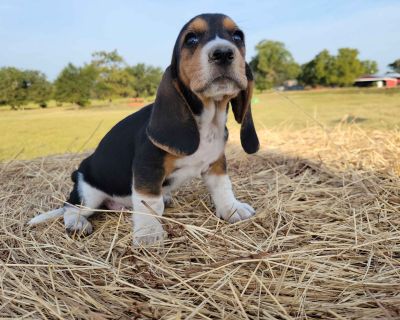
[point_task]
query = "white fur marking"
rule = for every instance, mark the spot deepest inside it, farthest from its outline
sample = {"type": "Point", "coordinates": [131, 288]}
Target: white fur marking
{"type": "Point", "coordinates": [75, 220]}
{"type": "Point", "coordinates": [226, 205]}
{"type": "Point", "coordinates": [211, 124]}
{"type": "Point", "coordinates": [90, 196]}
{"type": "Point", "coordinates": [146, 227]}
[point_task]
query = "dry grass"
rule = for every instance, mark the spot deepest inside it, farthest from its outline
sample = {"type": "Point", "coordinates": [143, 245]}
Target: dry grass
{"type": "Point", "coordinates": [325, 242]}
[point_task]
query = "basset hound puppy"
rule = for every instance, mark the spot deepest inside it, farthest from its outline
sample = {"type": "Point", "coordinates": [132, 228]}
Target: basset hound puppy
{"type": "Point", "coordinates": [182, 135]}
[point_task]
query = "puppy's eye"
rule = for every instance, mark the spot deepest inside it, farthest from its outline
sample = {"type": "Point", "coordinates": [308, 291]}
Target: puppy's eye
{"type": "Point", "coordinates": [191, 39]}
{"type": "Point", "coordinates": [238, 36]}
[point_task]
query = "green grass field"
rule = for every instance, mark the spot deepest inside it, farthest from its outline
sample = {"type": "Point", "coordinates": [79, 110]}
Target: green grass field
{"type": "Point", "coordinates": [34, 132]}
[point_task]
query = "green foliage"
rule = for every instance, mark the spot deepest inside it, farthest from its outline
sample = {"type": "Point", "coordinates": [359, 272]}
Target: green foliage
{"type": "Point", "coordinates": [273, 64]}
{"type": "Point", "coordinates": [107, 60]}
{"type": "Point", "coordinates": [395, 66]}
{"type": "Point", "coordinates": [19, 87]}
{"type": "Point", "coordinates": [12, 91]}
{"type": "Point", "coordinates": [40, 90]}
{"type": "Point", "coordinates": [340, 70]}
{"type": "Point", "coordinates": [370, 66]}
{"type": "Point", "coordinates": [147, 79]}
{"type": "Point", "coordinates": [107, 76]}
{"type": "Point", "coordinates": [348, 67]}
{"type": "Point", "coordinates": [319, 71]}
{"type": "Point", "coordinates": [75, 84]}
{"type": "Point", "coordinates": [112, 78]}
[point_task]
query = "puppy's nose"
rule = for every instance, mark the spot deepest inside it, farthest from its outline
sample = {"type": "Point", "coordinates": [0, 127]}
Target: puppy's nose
{"type": "Point", "coordinates": [222, 55]}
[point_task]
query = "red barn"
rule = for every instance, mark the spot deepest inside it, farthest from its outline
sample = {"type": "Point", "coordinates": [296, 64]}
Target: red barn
{"type": "Point", "coordinates": [376, 81]}
{"type": "Point", "coordinates": [394, 75]}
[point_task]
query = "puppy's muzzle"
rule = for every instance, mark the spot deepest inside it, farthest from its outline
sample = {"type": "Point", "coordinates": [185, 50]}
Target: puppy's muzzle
{"type": "Point", "coordinates": [221, 55]}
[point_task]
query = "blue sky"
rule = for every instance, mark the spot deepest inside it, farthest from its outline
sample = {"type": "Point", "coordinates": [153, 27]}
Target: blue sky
{"type": "Point", "coordinates": [47, 34]}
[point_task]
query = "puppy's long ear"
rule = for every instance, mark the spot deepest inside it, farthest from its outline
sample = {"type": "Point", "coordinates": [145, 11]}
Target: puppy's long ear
{"type": "Point", "coordinates": [172, 126]}
{"type": "Point", "coordinates": [241, 107]}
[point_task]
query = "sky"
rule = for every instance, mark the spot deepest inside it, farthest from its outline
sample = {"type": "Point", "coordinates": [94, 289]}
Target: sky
{"type": "Point", "coordinates": [47, 34]}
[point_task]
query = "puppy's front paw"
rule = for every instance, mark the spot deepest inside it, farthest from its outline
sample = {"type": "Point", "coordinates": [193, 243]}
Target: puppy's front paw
{"type": "Point", "coordinates": [167, 201]}
{"type": "Point", "coordinates": [235, 211]}
{"type": "Point", "coordinates": [77, 224]}
{"type": "Point", "coordinates": [147, 231]}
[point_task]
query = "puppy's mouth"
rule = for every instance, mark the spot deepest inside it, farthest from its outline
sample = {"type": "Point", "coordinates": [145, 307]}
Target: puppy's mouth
{"type": "Point", "coordinates": [224, 81]}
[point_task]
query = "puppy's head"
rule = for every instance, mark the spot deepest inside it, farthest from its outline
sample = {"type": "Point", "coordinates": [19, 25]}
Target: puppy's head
{"type": "Point", "coordinates": [209, 57]}
{"type": "Point", "coordinates": [208, 62]}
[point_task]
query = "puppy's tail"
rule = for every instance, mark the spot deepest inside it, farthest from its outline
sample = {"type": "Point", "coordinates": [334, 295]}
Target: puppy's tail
{"type": "Point", "coordinates": [47, 216]}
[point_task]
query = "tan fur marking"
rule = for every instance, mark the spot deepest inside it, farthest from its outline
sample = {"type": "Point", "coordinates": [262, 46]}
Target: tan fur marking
{"type": "Point", "coordinates": [224, 102]}
{"type": "Point", "coordinates": [190, 63]}
{"type": "Point", "coordinates": [145, 192]}
{"type": "Point", "coordinates": [165, 148]}
{"type": "Point", "coordinates": [190, 66]}
{"type": "Point", "coordinates": [218, 167]}
{"type": "Point", "coordinates": [169, 164]}
{"type": "Point", "coordinates": [206, 101]}
{"type": "Point", "coordinates": [198, 25]}
{"type": "Point", "coordinates": [229, 24]}
{"type": "Point", "coordinates": [249, 95]}
{"type": "Point", "coordinates": [169, 167]}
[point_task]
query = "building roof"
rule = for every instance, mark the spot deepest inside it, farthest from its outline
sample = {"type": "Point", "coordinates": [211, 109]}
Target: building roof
{"type": "Point", "coordinates": [374, 78]}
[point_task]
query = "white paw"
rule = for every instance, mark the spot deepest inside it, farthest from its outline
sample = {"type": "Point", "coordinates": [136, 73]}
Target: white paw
{"type": "Point", "coordinates": [167, 198]}
{"type": "Point", "coordinates": [147, 230]}
{"type": "Point", "coordinates": [236, 211]}
{"type": "Point", "coordinates": [76, 223]}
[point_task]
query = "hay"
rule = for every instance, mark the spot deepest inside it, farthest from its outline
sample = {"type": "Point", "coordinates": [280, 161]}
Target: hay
{"type": "Point", "coordinates": [325, 242]}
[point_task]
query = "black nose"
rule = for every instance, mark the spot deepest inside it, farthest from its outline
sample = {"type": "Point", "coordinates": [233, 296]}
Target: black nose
{"type": "Point", "coordinates": [222, 56]}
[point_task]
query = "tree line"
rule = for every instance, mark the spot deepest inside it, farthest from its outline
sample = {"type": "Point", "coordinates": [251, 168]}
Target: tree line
{"type": "Point", "coordinates": [273, 64]}
{"type": "Point", "coordinates": [107, 76]}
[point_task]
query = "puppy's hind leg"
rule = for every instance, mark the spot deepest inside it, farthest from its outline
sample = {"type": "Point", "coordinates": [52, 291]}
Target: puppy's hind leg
{"type": "Point", "coordinates": [75, 219]}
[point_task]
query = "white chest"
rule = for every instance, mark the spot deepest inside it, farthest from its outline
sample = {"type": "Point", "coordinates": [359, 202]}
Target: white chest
{"type": "Point", "coordinates": [211, 126]}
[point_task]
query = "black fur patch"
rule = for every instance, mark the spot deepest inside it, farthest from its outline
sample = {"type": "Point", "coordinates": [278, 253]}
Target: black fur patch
{"type": "Point", "coordinates": [241, 107]}
{"type": "Point", "coordinates": [195, 104]}
{"type": "Point", "coordinates": [248, 134]}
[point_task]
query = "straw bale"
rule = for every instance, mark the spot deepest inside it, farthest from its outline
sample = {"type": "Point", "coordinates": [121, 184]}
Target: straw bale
{"type": "Point", "coordinates": [325, 242]}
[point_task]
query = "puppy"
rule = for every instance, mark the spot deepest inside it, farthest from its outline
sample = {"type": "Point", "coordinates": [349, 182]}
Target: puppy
{"type": "Point", "coordinates": [180, 136]}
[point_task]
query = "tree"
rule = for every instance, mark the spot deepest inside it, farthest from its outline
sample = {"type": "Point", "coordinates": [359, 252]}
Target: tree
{"type": "Point", "coordinates": [273, 64]}
{"type": "Point", "coordinates": [319, 71]}
{"type": "Point", "coordinates": [75, 84]}
{"type": "Point", "coordinates": [109, 60]}
{"type": "Point", "coordinates": [348, 67]}
{"type": "Point", "coordinates": [395, 66]}
{"type": "Point", "coordinates": [370, 66]}
{"type": "Point", "coordinates": [12, 89]}
{"type": "Point", "coordinates": [340, 70]}
{"type": "Point", "coordinates": [147, 79]}
{"type": "Point", "coordinates": [112, 79]}
{"type": "Point", "coordinates": [18, 87]}
{"type": "Point", "coordinates": [39, 89]}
